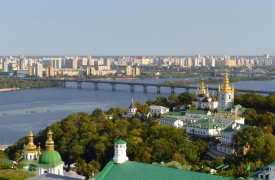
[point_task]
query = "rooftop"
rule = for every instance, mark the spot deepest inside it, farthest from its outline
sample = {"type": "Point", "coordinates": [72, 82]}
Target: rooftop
{"type": "Point", "coordinates": [168, 119]}
{"type": "Point", "coordinates": [138, 171]}
{"type": "Point", "coordinates": [205, 124]}
{"type": "Point", "coordinates": [157, 107]}
{"type": "Point", "coordinates": [236, 127]}
{"type": "Point", "coordinates": [120, 142]}
{"type": "Point", "coordinates": [175, 113]}
{"type": "Point", "coordinates": [228, 115]}
{"type": "Point", "coordinates": [196, 112]}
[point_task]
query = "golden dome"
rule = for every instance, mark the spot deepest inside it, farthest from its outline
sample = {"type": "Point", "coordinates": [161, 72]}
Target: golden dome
{"type": "Point", "coordinates": [49, 142]}
{"type": "Point", "coordinates": [30, 147]}
{"type": "Point", "coordinates": [226, 87]}
{"type": "Point", "coordinates": [38, 150]}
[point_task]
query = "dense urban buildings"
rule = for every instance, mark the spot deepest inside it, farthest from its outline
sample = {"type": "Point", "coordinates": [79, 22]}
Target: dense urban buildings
{"type": "Point", "coordinates": [87, 65]}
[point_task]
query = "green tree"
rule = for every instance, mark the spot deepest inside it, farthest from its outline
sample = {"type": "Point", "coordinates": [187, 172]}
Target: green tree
{"type": "Point", "coordinates": [150, 101]}
{"type": "Point", "coordinates": [193, 106]}
{"type": "Point", "coordinates": [186, 98]}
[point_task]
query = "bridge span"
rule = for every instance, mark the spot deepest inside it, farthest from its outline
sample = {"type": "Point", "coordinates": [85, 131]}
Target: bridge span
{"type": "Point", "coordinates": [145, 85]}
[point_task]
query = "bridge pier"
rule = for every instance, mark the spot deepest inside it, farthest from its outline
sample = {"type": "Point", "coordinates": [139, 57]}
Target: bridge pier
{"type": "Point", "coordinates": [172, 90]}
{"type": "Point", "coordinates": [132, 88]}
{"type": "Point", "coordinates": [113, 87]}
{"type": "Point", "coordinates": [145, 88]}
{"type": "Point", "coordinates": [96, 86]}
{"type": "Point", "coordinates": [63, 84]}
{"type": "Point", "coordinates": [187, 90]}
{"type": "Point", "coordinates": [79, 85]}
{"type": "Point", "coordinates": [158, 89]}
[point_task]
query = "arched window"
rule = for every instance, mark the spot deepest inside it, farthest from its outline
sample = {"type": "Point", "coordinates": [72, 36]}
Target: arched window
{"type": "Point", "coordinates": [45, 171]}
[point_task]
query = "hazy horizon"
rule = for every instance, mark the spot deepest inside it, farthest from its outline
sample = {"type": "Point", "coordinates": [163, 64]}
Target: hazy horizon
{"type": "Point", "coordinates": [137, 28]}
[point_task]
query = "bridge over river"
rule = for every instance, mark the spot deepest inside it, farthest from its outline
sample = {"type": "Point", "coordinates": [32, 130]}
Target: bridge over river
{"type": "Point", "coordinates": [145, 85]}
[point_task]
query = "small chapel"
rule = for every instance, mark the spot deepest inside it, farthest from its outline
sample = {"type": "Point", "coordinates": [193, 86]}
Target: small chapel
{"type": "Point", "coordinates": [202, 99]}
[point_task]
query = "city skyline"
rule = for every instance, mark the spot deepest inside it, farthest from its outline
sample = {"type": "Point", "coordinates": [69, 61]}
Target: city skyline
{"type": "Point", "coordinates": [137, 28]}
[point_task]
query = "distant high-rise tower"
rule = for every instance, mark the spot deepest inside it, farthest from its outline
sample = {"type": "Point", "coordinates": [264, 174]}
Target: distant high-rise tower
{"type": "Point", "coordinates": [38, 70]}
{"type": "Point", "coordinates": [74, 63]}
{"type": "Point", "coordinates": [129, 71]}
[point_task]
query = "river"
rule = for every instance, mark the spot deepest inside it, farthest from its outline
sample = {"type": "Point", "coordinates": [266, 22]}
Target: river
{"type": "Point", "coordinates": [40, 107]}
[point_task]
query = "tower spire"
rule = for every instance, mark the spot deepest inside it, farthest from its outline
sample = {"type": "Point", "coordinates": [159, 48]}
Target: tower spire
{"type": "Point", "coordinates": [30, 147]}
{"type": "Point", "coordinates": [226, 87]}
{"type": "Point", "coordinates": [49, 142]}
{"type": "Point", "coordinates": [38, 150]}
{"type": "Point", "coordinates": [202, 84]}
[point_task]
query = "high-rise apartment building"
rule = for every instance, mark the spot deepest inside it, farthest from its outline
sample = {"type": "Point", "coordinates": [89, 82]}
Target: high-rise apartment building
{"type": "Point", "coordinates": [128, 71]}
{"type": "Point", "coordinates": [90, 71]}
{"type": "Point", "coordinates": [5, 65]}
{"type": "Point", "coordinates": [23, 64]}
{"type": "Point", "coordinates": [50, 72]}
{"type": "Point", "coordinates": [56, 63]}
{"type": "Point", "coordinates": [107, 62]}
{"type": "Point", "coordinates": [38, 70]}
{"type": "Point", "coordinates": [189, 62]}
{"type": "Point", "coordinates": [136, 71]}
{"type": "Point", "coordinates": [74, 63]}
{"type": "Point", "coordinates": [31, 70]}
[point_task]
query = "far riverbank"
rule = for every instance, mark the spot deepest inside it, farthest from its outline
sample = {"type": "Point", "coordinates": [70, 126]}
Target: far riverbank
{"type": "Point", "coordinates": [9, 89]}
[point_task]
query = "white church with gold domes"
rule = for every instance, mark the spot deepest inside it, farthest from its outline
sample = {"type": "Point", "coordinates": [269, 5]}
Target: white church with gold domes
{"type": "Point", "coordinates": [202, 99]}
{"type": "Point", "coordinates": [30, 154]}
{"type": "Point", "coordinates": [50, 160]}
{"type": "Point", "coordinates": [47, 164]}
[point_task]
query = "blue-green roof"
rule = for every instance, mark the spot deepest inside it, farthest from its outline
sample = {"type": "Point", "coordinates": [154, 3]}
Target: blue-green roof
{"type": "Point", "coordinates": [7, 161]}
{"type": "Point", "coordinates": [141, 171]}
{"type": "Point", "coordinates": [170, 119]}
{"type": "Point", "coordinates": [120, 142]}
{"type": "Point", "coordinates": [173, 163]}
{"type": "Point", "coordinates": [196, 112]}
{"type": "Point", "coordinates": [238, 127]}
{"type": "Point", "coordinates": [205, 123]}
{"type": "Point", "coordinates": [175, 114]}
{"type": "Point", "coordinates": [27, 162]}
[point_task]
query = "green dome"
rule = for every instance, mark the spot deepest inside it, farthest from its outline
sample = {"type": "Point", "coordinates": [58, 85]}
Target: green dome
{"type": "Point", "coordinates": [120, 142]}
{"type": "Point", "coordinates": [50, 158]}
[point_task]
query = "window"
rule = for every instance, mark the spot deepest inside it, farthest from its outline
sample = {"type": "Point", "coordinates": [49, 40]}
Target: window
{"type": "Point", "coordinates": [229, 97]}
{"type": "Point", "coordinates": [222, 96]}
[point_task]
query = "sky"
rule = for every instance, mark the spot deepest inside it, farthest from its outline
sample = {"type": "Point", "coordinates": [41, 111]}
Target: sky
{"type": "Point", "coordinates": [137, 27]}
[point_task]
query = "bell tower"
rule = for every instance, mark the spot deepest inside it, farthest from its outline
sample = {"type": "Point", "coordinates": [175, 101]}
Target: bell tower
{"type": "Point", "coordinates": [120, 155]}
{"type": "Point", "coordinates": [226, 94]}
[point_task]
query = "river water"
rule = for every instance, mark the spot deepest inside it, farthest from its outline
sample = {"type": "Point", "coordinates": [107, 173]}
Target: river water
{"type": "Point", "coordinates": [40, 107]}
